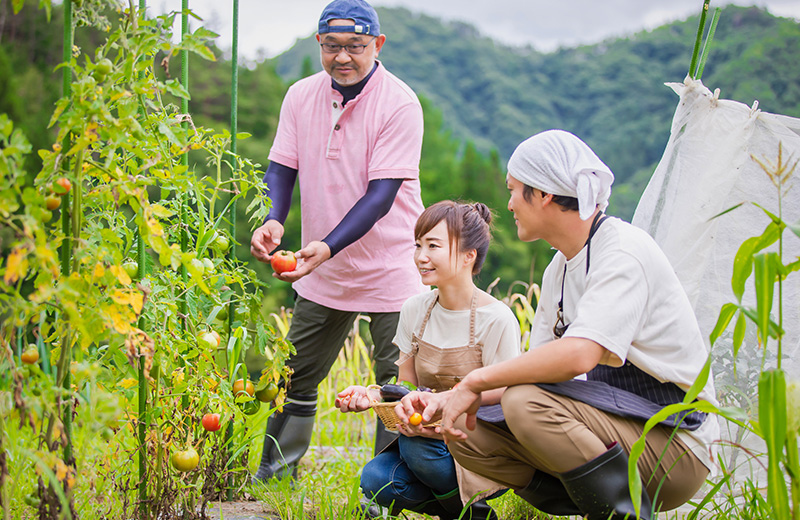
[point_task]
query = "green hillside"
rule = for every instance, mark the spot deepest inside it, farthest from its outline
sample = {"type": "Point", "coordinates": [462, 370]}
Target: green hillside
{"type": "Point", "coordinates": [612, 94]}
{"type": "Point", "coordinates": [480, 100]}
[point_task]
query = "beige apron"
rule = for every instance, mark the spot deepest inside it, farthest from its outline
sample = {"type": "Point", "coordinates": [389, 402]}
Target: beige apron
{"type": "Point", "coordinates": [440, 369]}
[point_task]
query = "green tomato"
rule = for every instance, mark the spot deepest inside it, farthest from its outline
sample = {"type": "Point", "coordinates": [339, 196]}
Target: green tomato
{"type": "Point", "coordinates": [185, 461]}
{"type": "Point", "coordinates": [208, 266]}
{"type": "Point", "coordinates": [104, 67]}
{"type": "Point", "coordinates": [250, 407]}
{"type": "Point", "coordinates": [221, 243]}
{"type": "Point", "coordinates": [222, 315]}
{"type": "Point", "coordinates": [132, 268]}
{"type": "Point", "coordinates": [268, 393]}
{"type": "Point", "coordinates": [197, 265]}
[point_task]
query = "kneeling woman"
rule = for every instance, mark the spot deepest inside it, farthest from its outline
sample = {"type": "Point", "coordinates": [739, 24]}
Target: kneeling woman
{"type": "Point", "coordinates": [442, 336]}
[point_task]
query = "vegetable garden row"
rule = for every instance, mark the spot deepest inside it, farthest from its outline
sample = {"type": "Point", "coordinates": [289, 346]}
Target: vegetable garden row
{"type": "Point", "coordinates": [124, 312]}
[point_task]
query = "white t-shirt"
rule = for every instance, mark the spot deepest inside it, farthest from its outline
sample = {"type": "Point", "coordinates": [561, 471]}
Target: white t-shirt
{"type": "Point", "coordinates": [632, 303]}
{"type": "Point", "coordinates": [496, 327]}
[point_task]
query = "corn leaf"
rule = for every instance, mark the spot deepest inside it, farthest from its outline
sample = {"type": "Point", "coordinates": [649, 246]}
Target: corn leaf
{"type": "Point", "coordinates": [725, 316]}
{"type": "Point", "coordinates": [765, 275]}
{"type": "Point", "coordinates": [772, 420]}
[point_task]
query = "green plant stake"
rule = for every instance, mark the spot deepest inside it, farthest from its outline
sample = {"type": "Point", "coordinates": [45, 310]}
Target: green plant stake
{"type": "Point", "coordinates": [232, 213]}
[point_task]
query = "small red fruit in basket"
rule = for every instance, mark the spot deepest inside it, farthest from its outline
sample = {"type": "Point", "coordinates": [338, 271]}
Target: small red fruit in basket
{"type": "Point", "coordinates": [283, 261]}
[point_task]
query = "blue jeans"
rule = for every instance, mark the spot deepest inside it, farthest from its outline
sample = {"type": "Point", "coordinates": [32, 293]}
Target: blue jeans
{"type": "Point", "coordinates": [408, 475]}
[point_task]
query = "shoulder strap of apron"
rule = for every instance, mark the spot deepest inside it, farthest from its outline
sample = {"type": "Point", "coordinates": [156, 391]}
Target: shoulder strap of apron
{"type": "Point", "coordinates": [472, 312]}
{"type": "Point", "coordinates": [426, 318]}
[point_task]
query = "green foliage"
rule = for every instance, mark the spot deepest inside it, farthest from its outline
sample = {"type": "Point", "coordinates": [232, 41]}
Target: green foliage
{"type": "Point", "coordinates": [100, 331]}
{"type": "Point", "coordinates": [611, 94]}
{"type": "Point", "coordinates": [776, 421]}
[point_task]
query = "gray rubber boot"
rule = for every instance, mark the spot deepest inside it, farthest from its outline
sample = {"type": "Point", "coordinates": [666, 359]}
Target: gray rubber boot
{"type": "Point", "coordinates": [286, 441]}
{"type": "Point", "coordinates": [600, 488]}
{"type": "Point", "coordinates": [547, 494]}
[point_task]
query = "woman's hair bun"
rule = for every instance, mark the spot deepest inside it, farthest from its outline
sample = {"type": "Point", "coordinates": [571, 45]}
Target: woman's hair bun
{"type": "Point", "coordinates": [484, 211]}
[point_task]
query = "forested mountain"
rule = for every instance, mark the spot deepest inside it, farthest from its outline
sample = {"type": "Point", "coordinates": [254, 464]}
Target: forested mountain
{"type": "Point", "coordinates": [611, 94]}
{"type": "Point", "coordinates": [480, 100]}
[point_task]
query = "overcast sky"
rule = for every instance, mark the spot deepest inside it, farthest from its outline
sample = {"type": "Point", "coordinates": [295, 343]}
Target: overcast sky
{"type": "Point", "coordinates": [269, 27]}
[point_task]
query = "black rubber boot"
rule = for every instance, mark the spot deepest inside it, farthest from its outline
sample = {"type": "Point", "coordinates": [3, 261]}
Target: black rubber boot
{"type": "Point", "coordinates": [287, 439]}
{"type": "Point", "coordinates": [600, 488]}
{"type": "Point", "coordinates": [383, 438]}
{"type": "Point", "coordinates": [547, 494]}
{"type": "Point", "coordinates": [449, 507]}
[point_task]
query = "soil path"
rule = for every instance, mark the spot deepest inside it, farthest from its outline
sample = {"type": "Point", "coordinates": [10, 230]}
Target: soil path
{"type": "Point", "coordinates": [239, 511]}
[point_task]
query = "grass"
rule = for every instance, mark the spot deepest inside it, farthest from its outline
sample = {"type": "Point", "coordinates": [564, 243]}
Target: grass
{"type": "Point", "coordinates": [327, 486]}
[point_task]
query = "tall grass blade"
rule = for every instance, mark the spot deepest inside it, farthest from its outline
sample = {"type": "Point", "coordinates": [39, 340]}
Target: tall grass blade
{"type": "Point", "coordinates": [707, 45]}
{"type": "Point", "coordinates": [699, 39]}
{"type": "Point", "coordinates": [772, 422]}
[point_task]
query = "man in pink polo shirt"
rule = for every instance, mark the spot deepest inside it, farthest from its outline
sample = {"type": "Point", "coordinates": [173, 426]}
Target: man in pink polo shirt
{"type": "Point", "coordinates": [352, 135]}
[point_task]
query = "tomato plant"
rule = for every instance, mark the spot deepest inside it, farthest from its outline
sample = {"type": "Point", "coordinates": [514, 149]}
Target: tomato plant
{"type": "Point", "coordinates": [283, 261]}
{"type": "Point", "coordinates": [211, 422]}
{"type": "Point", "coordinates": [111, 337]}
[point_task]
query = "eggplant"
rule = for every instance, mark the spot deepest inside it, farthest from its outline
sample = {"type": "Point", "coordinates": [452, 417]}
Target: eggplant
{"type": "Point", "coordinates": [391, 392]}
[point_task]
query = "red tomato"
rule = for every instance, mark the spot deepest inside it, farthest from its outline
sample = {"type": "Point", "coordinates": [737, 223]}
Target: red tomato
{"type": "Point", "coordinates": [211, 422]}
{"type": "Point", "coordinates": [283, 261]}
{"type": "Point", "coordinates": [61, 186]}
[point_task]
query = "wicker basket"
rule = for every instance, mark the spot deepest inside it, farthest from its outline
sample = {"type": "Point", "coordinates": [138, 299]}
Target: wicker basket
{"type": "Point", "coordinates": [386, 412]}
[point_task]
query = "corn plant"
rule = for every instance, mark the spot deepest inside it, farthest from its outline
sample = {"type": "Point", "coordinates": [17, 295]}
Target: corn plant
{"type": "Point", "coordinates": [776, 422]}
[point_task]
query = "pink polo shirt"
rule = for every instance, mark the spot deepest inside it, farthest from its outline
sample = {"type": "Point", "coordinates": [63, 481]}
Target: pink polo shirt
{"type": "Point", "coordinates": [337, 151]}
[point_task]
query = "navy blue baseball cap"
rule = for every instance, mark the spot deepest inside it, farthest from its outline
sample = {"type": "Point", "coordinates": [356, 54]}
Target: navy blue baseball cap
{"type": "Point", "coordinates": [363, 15]}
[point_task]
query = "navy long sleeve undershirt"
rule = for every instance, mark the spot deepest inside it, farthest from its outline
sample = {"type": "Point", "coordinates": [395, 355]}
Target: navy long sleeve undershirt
{"type": "Point", "coordinates": [370, 208]}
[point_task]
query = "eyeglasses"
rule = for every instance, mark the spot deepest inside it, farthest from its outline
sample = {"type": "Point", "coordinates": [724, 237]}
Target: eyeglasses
{"type": "Point", "coordinates": [352, 49]}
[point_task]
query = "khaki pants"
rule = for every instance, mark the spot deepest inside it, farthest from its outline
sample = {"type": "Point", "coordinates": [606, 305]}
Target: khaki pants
{"type": "Point", "coordinates": [552, 433]}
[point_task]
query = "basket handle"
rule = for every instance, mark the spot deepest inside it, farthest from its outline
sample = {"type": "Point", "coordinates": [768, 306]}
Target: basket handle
{"type": "Point", "coordinates": [369, 394]}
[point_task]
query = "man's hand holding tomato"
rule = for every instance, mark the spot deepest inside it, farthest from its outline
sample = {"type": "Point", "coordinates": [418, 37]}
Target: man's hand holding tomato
{"type": "Point", "coordinates": [308, 259]}
{"type": "Point", "coordinates": [266, 238]}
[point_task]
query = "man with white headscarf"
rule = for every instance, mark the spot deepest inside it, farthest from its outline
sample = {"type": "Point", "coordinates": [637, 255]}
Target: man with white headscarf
{"type": "Point", "coordinates": [615, 340]}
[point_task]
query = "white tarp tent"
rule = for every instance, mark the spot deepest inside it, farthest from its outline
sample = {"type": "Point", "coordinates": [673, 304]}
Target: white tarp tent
{"type": "Point", "coordinates": [708, 167]}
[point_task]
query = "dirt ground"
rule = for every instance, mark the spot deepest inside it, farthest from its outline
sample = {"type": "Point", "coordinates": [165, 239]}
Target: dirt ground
{"type": "Point", "coordinates": [239, 511]}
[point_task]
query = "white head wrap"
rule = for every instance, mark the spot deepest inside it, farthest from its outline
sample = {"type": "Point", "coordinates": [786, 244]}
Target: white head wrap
{"type": "Point", "coordinates": [559, 163]}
